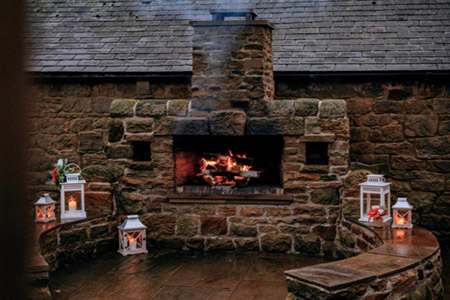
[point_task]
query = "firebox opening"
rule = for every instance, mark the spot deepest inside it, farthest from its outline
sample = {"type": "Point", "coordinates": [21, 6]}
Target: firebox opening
{"type": "Point", "coordinates": [228, 161]}
{"type": "Point", "coordinates": [141, 151]}
{"type": "Point", "coordinates": [316, 153]}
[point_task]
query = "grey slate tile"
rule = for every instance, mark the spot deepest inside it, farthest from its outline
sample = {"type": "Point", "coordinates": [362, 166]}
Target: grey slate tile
{"type": "Point", "coordinates": [154, 35]}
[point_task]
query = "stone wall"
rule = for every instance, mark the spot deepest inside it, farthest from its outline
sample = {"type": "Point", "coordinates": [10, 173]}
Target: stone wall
{"type": "Point", "coordinates": [399, 128]}
{"type": "Point", "coordinates": [308, 225]}
{"type": "Point", "coordinates": [71, 120]}
{"type": "Point", "coordinates": [71, 242]}
{"type": "Point", "coordinates": [232, 62]}
{"type": "Point", "coordinates": [422, 282]}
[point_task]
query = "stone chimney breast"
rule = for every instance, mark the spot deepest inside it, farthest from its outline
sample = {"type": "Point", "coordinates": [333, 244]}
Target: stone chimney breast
{"type": "Point", "coordinates": [232, 61]}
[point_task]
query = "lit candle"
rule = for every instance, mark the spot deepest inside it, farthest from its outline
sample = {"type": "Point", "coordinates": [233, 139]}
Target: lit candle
{"type": "Point", "coordinates": [72, 204]}
{"type": "Point", "coordinates": [132, 242]}
{"type": "Point", "coordinates": [401, 221]}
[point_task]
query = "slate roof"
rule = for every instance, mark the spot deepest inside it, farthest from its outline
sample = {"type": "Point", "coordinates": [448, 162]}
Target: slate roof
{"type": "Point", "coordinates": [310, 35]}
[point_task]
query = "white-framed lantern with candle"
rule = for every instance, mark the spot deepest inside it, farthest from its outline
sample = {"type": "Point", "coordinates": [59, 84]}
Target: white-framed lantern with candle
{"type": "Point", "coordinates": [402, 212]}
{"type": "Point", "coordinates": [45, 209]}
{"type": "Point", "coordinates": [73, 187]}
{"type": "Point", "coordinates": [132, 236]}
{"type": "Point", "coordinates": [375, 192]}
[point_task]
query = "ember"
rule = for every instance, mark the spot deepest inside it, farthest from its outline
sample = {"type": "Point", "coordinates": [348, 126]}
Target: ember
{"type": "Point", "coordinates": [232, 170]}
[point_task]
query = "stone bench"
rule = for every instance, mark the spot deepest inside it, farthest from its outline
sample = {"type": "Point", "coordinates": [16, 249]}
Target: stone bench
{"type": "Point", "coordinates": [406, 266]}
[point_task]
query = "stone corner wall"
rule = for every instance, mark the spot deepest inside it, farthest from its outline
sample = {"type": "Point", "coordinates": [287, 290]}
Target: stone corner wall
{"type": "Point", "coordinates": [399, 127]}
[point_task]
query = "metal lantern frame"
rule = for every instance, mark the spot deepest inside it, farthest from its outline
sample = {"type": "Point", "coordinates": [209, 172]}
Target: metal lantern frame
{"type": "Point", "coordinates": [402, 210]}
{"type": "Point", "coordinates": [132, 236]}
{"type": "Point", "coordinates": [45, 209]}
{"type": "Point", "coordinates": [73, 184]}
{"type": "Point", "coordinates": [375, 185]}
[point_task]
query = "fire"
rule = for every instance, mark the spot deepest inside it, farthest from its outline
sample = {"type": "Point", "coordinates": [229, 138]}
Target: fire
{"type": "Point", "coordinates": [224, 169]}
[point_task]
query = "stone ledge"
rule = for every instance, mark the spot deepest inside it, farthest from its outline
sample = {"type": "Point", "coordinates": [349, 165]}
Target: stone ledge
{"type": "Point", "coordinates": [403, 253]}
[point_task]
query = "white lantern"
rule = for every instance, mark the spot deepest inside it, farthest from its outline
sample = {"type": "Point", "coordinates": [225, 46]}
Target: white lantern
{"type": "Point", "coordinates": [402, 214]}
{"type": "Point", "coordinates": [132, 236]}
{"type": "Point", "coordinates": [45, 209]}
{"type": "Point", "coordinates": [75, 205]}
{"type": "Point", "coordinates": [375, 192]}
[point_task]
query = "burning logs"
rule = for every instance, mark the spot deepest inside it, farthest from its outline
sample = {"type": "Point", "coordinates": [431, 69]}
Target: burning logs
{"type": "Point", "coordinates": [219, 169]}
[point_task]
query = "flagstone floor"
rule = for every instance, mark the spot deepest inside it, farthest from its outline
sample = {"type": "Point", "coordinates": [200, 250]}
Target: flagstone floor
{"type": "Point", "coordinates": [170, 276]}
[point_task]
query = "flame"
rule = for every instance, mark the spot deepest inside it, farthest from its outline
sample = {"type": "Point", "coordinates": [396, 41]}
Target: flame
{"type": "Point", "coordinates": [401, 221]}
{"type": "Point", "coordinates": [227, 163]}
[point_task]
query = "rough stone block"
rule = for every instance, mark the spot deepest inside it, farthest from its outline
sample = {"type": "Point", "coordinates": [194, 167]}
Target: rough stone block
{"type": "Point", "coordinates": [98, 202]}
{"type": "Point", "coordinates": [444, 128]}
{"type": "Point", "coordinates": [122, 108]}
{"type": "Point", "coordinates": [247, 244]}
{"type": "Point", "coordinates": [187, 225]}
{"type": "Point", "coordinates": [273, 242]}
{"type": "Point", "coordinates": [388, 107]}
{"type": "Point", "coordinates": [359, 106]}
{"type": "Point", "coordinates": [227, 122]}
{"type": "Point", "coordinates": [138, 126]}
{"type": "Point", "coordinates": [118, 151]}
{"type": "Point", "coordinates": [326, 196]}
{"type": "Point", "coordinates": [426, 181]}
{"type": "Point", "coordinates": [332, 109]}
{"type": "Point", "coordinates": [182, 126]}
{"type": "Point", "coordinates": [72, 237]}
{"type": "Point", "coordinates": [441, 106]}
{"type": "Point", "coordinates": [434, 146]}
{"type": "Point", "coordinates": [421, 125]}
{"type": "Point", "coordinates": [275, 126]}
{"type": "Point", "coordinates": [90, 141]}
{"type": "Point", "coordinates": [326, 232]}
{"type": "Point", "coordinates": [115, 130]}
{"type": "Point", "coordinates": [307, 244]}
{"type": "Point", "coordinates": [242, 230]}
{"type": "Point", "coordinates": [312, 126]}
{"type": "Point", "coordinates": [405, 162]}
{"type": "Point", "coordinates": [219, 244]}
{"type": "Point", "coordinates": [151, 108]}
{"type": "Point", "coordinates": [306, 107]}
{"type": "Point", "coordinates": [131, 203]}
{"type": "Point", "coordinates": [280, 108]}
{"type": "Point", "coordinates": [213, 225]}
{"type": "Point", "coordinates": [159, 223]}
{"type": "Point", "coordinates": [399, 93]}
{"type": "Point", "coordinates": [177, 107]}
{"type": "Point", "coordinates": [252, 211]}
{"type": "Point", "coordinates": [195, 243]}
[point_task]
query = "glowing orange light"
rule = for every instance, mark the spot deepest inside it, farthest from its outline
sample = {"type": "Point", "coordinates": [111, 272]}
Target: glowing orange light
{"type": "Point", "coordinates": [399, 234]}
{"type": "Point", "coordinates": [401, 221]}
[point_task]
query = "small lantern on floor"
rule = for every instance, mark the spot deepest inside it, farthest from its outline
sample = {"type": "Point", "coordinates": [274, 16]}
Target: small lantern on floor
{"type": "Point", "coordinates": [45, 209]}
{"type": "Point", "coordinates": [375, 185]}
{"type": "Point", "coordinates": [132, 236]}
{"type": "Point", "coordinates": [402, 214]}
{"type": "Point", "coordinates": [75, 207]}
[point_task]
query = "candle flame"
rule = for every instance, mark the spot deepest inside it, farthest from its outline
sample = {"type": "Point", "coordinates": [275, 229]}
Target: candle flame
{"type": "Point", "coordinates": [401, 221]}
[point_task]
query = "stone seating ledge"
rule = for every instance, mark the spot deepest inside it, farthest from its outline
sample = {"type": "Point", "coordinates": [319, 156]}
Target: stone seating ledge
{"type": "Point", "coordinates": [407, 264]}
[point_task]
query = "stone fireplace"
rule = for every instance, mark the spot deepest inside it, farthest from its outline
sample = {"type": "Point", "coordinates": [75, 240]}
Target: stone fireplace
{"type": "Point", "coordinates": [232, 168]}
